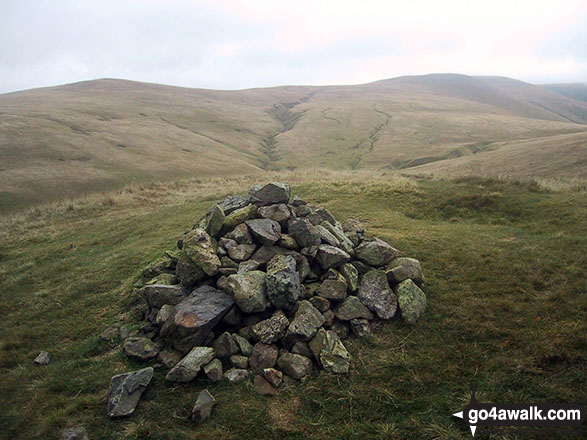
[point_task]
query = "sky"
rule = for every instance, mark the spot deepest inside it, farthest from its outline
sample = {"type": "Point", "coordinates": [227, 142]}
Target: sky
{"type": "Point", "coordinates": [224, 44]}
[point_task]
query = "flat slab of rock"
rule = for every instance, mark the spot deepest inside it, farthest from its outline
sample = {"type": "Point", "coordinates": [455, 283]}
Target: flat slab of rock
{"type": "Point", "coordinates": [374, 292]}
{"type": "Point", "coordinates": [157, 295]}
{"type": "Point", "coordinates": [262, 387]}
{"type": "Point", "coordinates": [195, 316]}
{"type": "Point", "coordinates": [126, 391]}
{"type": "Point", "coordinates": [270, 194]}
{"type": "Point", "coordinates": [203, 406]}
{"type": "Point", "coordinates": [43, 358]}
{"type": "Point", "coordinates": [352, 308]}
{"type": "Point", "coordinates": [265, 230]}
{"type": "Point", "coordinates": [295, 365]}
{"type": "Point", "coordinates": [412, 301]}
{"type": "Point", "coordinates": [304, 233]}
{"type": "Point", "coordinates": [280, 213]}
{"type": "Point", "coordinates": [376, 252]}
{"type": "Point", "coordinates": [334, 357]}
{"type": "Point", "coordinates": [187, 368]}
{"type": "Point", "coordinates": [140, 348]}
{"type": "Point", "coordinates": [330, 256]}
{"type": "Point", "coordinates": [305, 323]}
{"type": "Point", "coordinates": [283, 282]}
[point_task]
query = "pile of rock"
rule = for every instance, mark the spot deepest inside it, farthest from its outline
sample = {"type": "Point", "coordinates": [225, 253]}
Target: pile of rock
{"type": "Point", "coordinates": [270, 286]}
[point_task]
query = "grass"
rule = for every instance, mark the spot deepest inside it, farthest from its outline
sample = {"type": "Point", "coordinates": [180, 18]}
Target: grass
{"type": "Point", "coordinates": [504, 261]}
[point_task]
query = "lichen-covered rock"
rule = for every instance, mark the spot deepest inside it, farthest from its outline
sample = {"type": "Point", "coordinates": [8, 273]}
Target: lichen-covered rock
{"type": "Point", "coordinates": [241, 234]}
{"type": "Point", "coordinates": [351, 275]}
{"type": "Point", "coordinates": [263, 356]}
{"type": "Point", "coordinates": [195, 316]}
{"type": "Point", "coordinates": [412, 301]}
{"type": "Point", "coordinates": [157, 295]}
{"type": "Point", "coordinates": [270, 194]}
{"type": "Point", "coordinates": [159, 266]}
{"type": "Point", "coordinates": [239, 361]}
{"type": "Point", "coordinates": [126, 390]}
{"type": "Point", "coordinates": [198, 246]}
{"type": "Point", "coordinates": [345, 244]}
{"type": "Point", "coordinates": [241, 252]}
{"type": "Point", "coordinates": [270, 330]}
{"type": "Point", "coordinates": [280, 213]}
{"type": "Point", "coordinates": [327, 236]}
{"type": "Point", "coordinates": [322, 304]}
{"type": "Point", "coordinates": [316, 344]}
{"type": "Point", "coordinates": [232, 203]}
{"type": "Point", "coordinates": [360, 327]}
{"type": "Point", "coordinates": [238, 216]}
{"type": "Point", "coordinates": [304, 232]}
{"type": "Point", "coordinates": [334, 286]}
{"type": "Point", "coordinates": [215, 221]}
{"type": "Point", "coordinates": [264, 230]}
{"type": "Point", "coordinates": [244, 346]}
{"type": "Point", "coordinates": [352, 308]}
{"type": "Point", "coordinates": [213, 370]}
{"type": "Point", "coordinates": [305, 323]}
{"type": "Point", "coordinates": [401, 269]}
{"type": "Point", "coordinates": [334, 357]}
{"type": "Point", "coordinates": [330, 256]}
{"type": "Point", "coordinates": [283, 282]}
{"type": "Point", "coordinates": [164, 314]}
{"type": "Point", "coordinates": [140, 348]}
{"type": "Point", "coordinates": [187, 272]}
{"type": "Point", "coordinates": [302, 348]}
{"type": "Point", "coordinates": [169, 357]}
{"type": "Point", "coordinates": [294, 365]}
{"type": "Point", "coordinates": [187, 368]}
{"type": "Point", "coordinates": [249, 290]}
{"type": "Point", "coordinates": [375, 293]}
{"type": "Point", "coordinates": [286, 241]}
{"type": "Point", "coordinates": [203, 406]}
{"type": "Point", "coordinates": [273, 376]}
{"type": "Point", "coordinates": [376, 252]}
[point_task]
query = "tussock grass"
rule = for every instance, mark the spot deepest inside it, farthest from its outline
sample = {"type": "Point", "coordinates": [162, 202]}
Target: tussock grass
{"type": "Point", "coordinates": [505, 266]}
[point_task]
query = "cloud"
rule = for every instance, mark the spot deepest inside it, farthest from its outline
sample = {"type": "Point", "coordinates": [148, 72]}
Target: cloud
{"type": "Point", "coordinates": [238, 44]}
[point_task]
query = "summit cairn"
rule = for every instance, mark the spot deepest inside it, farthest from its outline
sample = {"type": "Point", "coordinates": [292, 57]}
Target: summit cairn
{"type": "Point", "coordinates": [268, 287]}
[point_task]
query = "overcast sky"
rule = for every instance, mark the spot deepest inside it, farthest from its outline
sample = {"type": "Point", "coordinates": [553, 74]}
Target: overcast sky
{"type": "Point", "coordinates": [238, 44]}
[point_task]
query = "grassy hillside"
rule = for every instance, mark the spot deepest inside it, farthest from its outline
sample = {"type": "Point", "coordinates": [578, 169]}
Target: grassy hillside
{"type": "Point", "coordinates": [561, 156]}
{"type": "Point", "coordinates": [64, 141]}
{"type": "Point", "coordinates": [505, 265]}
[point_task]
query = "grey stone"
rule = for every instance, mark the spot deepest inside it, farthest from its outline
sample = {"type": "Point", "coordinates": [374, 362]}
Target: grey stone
{"type": "Point", "coordinates": [327, 236]}
{"type": "Point", "coordinates": [241, 252]}
{"type": "Point", "coordinates": [270, 330]}
{"type": "Point", "coordinates": [283, 282]}
{"type": "Point", "coordinates": [305, 323]}
{"type": "Point", "coordinates": [194, 317]}
{"type": "Point", "coordinates": [75, 433]}
{"type": "Point", "coordinates": [286, 241]}
{"type": "Point", "coordinates": [238, 216]}
{"type": "Point", "coordinates": [280, 213]}
{"type": "Point", "coordinates": [157, 295]}
{"type": "Point", "coordinates": [269, 194]}
{"type": "Point", "coordinates": [43, 358]}
{"type": "Point", "coordinates": [241, 234]}
{"type": "Point", "coordinates": [352, 308]}
{"type": "Point", "coordinates": [374, 292]}
{"type": "Point", "coordinates": [198, 246]}
{"type": "Point", "coordinates": [322, 304]}
{"type": "Point", "coordinates": [159, 266]}
{"type": "Point", "coordinates": [412, 301]}
{"type": "Point", "coordinates": [294, 365]}
{"type": "Point", "coordinates": [305, 234]}
{"type": "Point", "coordinates": [376, 252]}
{"type": "Point", "coordinates": [235, 375]}
{"type": "Point", "coordinates": [341, 328]}
{"type": "Point", "coordinates": [244, 346]}
{"type": "Point", "coordinates": [249, 290]}
{"type": "Point", "coordinates": [330, 256]}
{"type": "Point", "coordinates": [187, 368]}
{"type": "Point", "coordinates": [213, 370]}
{"type": "Point", "coordinates": [225, 346]}
{"type": "Point", "coordinates": [263, 356]}
{"type": "Point", "coordinates": [126, 390]}
{"type": "Point", "coordinates": [329, 317]}
{"type": "Point", "coordinates": [203, 406]}
{"type": "Point", "coordinates": [164, 314]}
{"type": "Point", "coordinates": [234, 316]}
{"type": "Point", "coordinates": [334, 357]}
{"type": "Point", "coordinates": [345, 244]}
{"type": "Point", "coordinates": [232, 203]}
{"type": "Point", "coordinates": [302, 348]}
{"type": "Point", "coordinates": [316, 343]}
{"type": "Point", "coordinates": [248, 266]}
{"type": "Point", "coordinates": [140, 348]}
{"type": "Point", "coordinates": [401, 269]}
{"type": "Point", "coordinates": [187, 272]}
{"type": "Point", "coordinates": [265, 230]}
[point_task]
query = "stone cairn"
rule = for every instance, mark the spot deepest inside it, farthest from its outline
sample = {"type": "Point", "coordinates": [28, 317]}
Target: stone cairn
{"type": "Point", "coordinates": [266, 286]}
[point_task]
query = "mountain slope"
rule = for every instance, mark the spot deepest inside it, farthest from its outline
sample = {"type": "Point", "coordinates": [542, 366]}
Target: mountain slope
{"type": "Point", "coordinates": [576, 91]}
{"type": "Point", "coordinates": [64, 141]}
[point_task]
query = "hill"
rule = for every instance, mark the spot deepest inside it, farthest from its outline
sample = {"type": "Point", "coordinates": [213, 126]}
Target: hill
{"type": "Point", "coordinates": [60, 142]}
{"type": "Point", "coordinates": [504, 264]}
{"type": "Point", "coordinates": [576, 91]}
